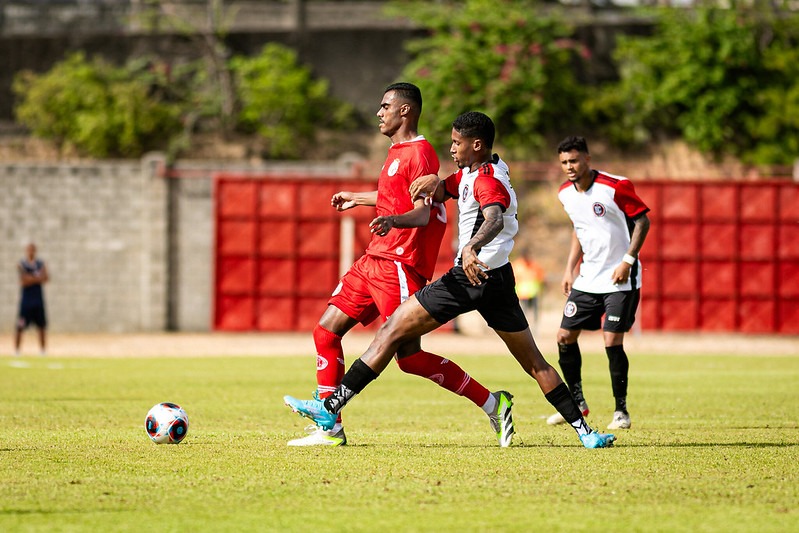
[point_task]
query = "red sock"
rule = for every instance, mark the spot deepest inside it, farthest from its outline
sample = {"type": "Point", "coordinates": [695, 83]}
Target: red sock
{"type": "Point", "coordinates": [329, 361]}
{"type": "Point", "coordinates": [446, 373]}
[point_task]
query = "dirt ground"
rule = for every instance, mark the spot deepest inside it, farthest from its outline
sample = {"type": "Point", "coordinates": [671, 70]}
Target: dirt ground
{"type": "Point", "coordinates": [478, 340]}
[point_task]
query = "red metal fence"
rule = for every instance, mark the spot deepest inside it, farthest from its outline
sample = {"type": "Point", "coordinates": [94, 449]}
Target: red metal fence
{"type": "Point", "coordinates": [280, 248]}
{"type": "Point", "coordinates": [721, 257]}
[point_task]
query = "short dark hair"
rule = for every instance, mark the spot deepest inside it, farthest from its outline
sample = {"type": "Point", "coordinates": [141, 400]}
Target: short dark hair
{"type": "Point", "coordinates": [407, 91]}
{"type": "Point", "coordinates": [573, 143]}
{"type": "Point", "coordinates": [476, 125]}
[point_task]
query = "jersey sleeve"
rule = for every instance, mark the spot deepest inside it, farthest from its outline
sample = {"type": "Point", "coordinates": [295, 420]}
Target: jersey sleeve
{"type": "Point", "coordinates": [628, 201]}
{"type": "Point", "coordinates": [490, 191]}
{"type": "Point", "coordinates": [451, 184]}
{"type": "Point", "coordinates": [421, 163]}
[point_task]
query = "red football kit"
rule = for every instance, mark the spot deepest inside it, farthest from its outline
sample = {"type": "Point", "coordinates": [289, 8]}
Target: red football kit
{"type": "Point", "coordinates": [401, 262]}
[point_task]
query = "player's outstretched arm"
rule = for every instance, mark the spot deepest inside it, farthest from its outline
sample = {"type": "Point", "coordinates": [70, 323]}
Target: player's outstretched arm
{"type": "Point", "coordinates": [344, 200]}
{"type": "Point", "coordinates": [428, 187]}
{"type": "Point", "coordinates": [415, 218]}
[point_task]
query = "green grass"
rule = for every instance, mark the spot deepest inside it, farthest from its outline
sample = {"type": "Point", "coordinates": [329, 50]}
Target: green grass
{"type": "Point", "coordinates": [714, 447]}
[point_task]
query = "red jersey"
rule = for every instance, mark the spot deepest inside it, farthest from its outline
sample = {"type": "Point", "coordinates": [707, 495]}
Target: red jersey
{"type": "Point", "coordinates": [414, 247]}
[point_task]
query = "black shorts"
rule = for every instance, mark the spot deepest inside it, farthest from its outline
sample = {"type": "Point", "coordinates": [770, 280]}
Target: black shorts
{"type": "Point", "coordinates": [495, 299]}
{"type": "Point", "coordinates": [32, 315]}
{"type": "Point", "coordinates": [584, 310]}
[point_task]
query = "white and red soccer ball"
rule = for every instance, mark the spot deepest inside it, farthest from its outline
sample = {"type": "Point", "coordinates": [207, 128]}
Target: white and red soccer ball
{"type": "Point", "coordinates": [167, 423]}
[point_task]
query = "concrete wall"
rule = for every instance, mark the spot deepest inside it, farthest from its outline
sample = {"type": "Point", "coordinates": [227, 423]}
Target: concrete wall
{"type": "Point", "coordinates": [129, 247]}
{"type": "Point", "coordinates": [191, 305]}
{"type": "Point", "coordinates": [102, 230]}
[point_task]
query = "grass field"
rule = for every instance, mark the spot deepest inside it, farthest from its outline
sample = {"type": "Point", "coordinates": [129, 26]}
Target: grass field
{"type": "Point", "coordinates": [714, 447]}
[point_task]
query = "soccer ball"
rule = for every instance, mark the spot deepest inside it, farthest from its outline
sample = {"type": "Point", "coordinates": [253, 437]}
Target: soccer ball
{"type": "Point", "coordinates": [167, 423]}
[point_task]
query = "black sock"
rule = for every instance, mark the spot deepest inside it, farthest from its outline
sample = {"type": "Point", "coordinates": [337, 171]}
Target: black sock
{"type": "Point", "coordinates": [619, 367]}
{"type": "Point", "coordinates": [355, 380]}
{"type": "Point", "coordinates": [571, 362]}
{"type": "Point", "coordinates": [562, 400]}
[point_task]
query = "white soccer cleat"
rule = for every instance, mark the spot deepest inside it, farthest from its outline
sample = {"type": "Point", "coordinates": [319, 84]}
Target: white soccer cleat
{"type": "Point", "coordinates": [320, 437]}
{"type": "Point", "coordinates": [502, 420]}
{"type": "Point", "coordinates": [557, 418]}
{"type": "Point", "coordinates": [621, 420]}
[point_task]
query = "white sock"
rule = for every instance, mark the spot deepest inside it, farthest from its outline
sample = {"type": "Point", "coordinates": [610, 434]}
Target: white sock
{"type": "Point", "coordinates": [490, 407]}
{"type": "Point", "coordinates": [581, 427]}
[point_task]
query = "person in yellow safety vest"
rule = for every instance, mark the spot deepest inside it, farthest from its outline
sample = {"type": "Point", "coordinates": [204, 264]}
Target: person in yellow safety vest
{"type": "Point", "coordinates": [529, 283]}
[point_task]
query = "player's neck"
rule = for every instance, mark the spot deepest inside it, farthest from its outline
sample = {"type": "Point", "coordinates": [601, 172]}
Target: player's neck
{"type": "Point", "coordinates": [584, 182]}
{"type": "Point", "coordinates": [482, 161]}
{"type": "Point", "coordinates": [404, 135]}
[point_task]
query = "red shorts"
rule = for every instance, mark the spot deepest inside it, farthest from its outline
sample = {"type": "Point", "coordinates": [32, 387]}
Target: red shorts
{"type": "Point", "coordinates": [373, 287]}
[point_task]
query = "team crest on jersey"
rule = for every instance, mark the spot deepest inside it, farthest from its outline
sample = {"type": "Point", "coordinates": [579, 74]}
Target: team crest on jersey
{"type": "Point", "coordinates": [394, 167]}
{"type": "Point", "coordinates": [599, 209]}
{"type": "Point", "coordinates": [570, 310]}
{"type": "Point", "coordinates": [465, 194]}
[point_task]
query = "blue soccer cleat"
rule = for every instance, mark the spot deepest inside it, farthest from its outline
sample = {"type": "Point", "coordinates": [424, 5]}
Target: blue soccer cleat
{"type": "Point", "coordinates": [313, 409]}
{"type": "Point", "coordinates": [598, 440]}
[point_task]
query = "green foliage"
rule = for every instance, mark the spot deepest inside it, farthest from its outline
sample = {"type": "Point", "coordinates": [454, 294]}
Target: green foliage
{"type": "Point", "coordinates": [107, 111]}
{"type": "Point", "coordinates": [98, 108]}
{"type": "Point", "coordinates": [508, 59]}
{"type": "Point", "coordinates": [725, 80]}
{"type": "Point", "coordinates": [282, 102]}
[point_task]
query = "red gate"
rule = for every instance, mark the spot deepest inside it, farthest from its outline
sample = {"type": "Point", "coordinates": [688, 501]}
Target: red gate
{"type": "Point", "coordinates": [281, 248]}
{"type": "Point", "coordinates": [721, 257]}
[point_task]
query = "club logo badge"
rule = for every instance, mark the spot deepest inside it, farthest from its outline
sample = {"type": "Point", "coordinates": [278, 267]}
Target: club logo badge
{"type": "Point", "coordinates": [570, 310]}
{"type": "Point", "coordinates": [394, 167]}
{"type": "Point", "coordinates": [599, 209]}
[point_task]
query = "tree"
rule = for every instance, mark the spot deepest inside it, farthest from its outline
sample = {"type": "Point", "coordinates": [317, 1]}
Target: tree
{"type": "Point", "coordinates": [100, 109]}
{"type": "Point", "coordinates": [211, 83]}
{"type": "Point", "coordinates": [508, 59]}
{"type": "Point", "coordinates": [282, 102]}
{"type": "Point", "coordinates": [724, 80]}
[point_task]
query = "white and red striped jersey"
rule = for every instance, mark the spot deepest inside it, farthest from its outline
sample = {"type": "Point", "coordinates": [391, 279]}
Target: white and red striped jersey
{"type": "Point", "coordinates": [603, 220]}
{"type": "Point", "coordinates": [488, 185]}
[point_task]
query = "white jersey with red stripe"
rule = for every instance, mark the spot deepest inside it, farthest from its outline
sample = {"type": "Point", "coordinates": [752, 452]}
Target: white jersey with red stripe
{"type": "Point", "coordinates": [603, 218]}
{"type": "Point", "coordinates": [476, 190]}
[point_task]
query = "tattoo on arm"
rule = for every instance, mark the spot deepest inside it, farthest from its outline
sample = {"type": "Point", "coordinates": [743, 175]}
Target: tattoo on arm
{"type": "Point", "coordinates": [490, 227]}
